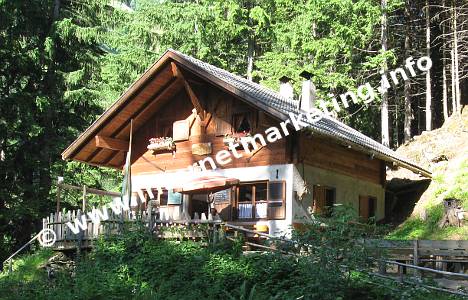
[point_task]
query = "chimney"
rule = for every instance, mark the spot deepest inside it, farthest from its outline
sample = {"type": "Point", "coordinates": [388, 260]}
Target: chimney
{"type": "Point", "coordinates": [286, 88]}
{"type": "Point", "coordinates": [308, 92]}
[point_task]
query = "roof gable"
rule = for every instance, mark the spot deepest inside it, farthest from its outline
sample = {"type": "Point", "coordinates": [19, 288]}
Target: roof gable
{"type": "Point", "coordinates": [159, 80]}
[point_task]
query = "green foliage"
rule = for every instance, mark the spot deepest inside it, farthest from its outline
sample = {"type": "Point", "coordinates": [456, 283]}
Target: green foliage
{"type": "Point", "coordinates": [447, 186]}
{"type": "Point", "coordinates": [136, 266]}
{"type": "Point", "coordinates": [27, 268]}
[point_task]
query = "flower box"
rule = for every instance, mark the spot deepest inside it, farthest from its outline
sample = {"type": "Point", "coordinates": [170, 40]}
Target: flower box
{"type": "Point", "coordinates": [235, 138]}
{"type": "Point", "coordinates": [161, 144]}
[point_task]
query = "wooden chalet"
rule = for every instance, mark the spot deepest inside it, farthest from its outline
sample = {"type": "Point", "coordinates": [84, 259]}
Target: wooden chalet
{"type": "Point", "coordinates": [184, 110]}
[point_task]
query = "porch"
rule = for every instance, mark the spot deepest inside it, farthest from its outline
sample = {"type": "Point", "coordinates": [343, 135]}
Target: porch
{"type": "Point", "coordinates": [204, 228]}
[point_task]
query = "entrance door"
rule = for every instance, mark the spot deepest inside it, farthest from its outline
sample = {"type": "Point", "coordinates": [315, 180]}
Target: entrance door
{"type": "Point", "coordinates": [198, 203]}
{"type": "Point", "coordinates": [220, 204]}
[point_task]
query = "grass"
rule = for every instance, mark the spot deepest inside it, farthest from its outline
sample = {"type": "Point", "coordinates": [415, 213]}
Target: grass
{"type": "Point", "coordinates": [416, 228]}
{"type": "Point", "coordinates": [26, 268]}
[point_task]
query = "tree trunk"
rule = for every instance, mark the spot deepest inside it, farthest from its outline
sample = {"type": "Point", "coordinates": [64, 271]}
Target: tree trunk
{"type": "Point", "coordinates": [384, 106]}
{"type": "Point", "coordinates": [250, 58]}
{"type": "Point", "coordinates": [428, 73]}
{"type": "Point", "coordinates": [407, 88]}
{"type": "Point", "coordinates": [250, 45]}
{"type": "Point", "coordinates": [454, 90]}
{"type": "Point", "coordinates": [444, 89]}
{"type": "Point", "coordinates": [56, 9]}
{"type": "Point", "coordinates": [444, 73]}
{"type": "Point", "coordinates": [456, 56]}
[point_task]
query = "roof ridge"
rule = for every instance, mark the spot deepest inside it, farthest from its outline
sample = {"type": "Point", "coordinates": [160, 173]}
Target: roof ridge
{"type": "Point", "coordinates": [239, 77]}
{"type": "Point", "coordinates": [327, 125]}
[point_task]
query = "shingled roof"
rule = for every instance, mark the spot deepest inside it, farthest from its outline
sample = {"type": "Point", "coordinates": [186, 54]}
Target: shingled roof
{"type": "Point", "coordinates": [251, 92]}
{"type": "Point", "coordinates": [329, 127]}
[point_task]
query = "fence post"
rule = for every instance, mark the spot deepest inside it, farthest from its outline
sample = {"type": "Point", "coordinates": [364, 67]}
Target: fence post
{"type": "Point", "coordinates": [79, 236]}
{"type": "Point", "coordinates": [400, 273]}
{"type": "Point", "coordinates": [382, 267]}
{"type": "Point", "coordinates": [418, 274]}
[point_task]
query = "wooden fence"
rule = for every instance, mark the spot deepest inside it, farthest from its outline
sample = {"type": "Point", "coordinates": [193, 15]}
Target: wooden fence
{"type": "Point", "coordinates": [197, 228]}
{"type": "Point", "coordinates": [435, 254]}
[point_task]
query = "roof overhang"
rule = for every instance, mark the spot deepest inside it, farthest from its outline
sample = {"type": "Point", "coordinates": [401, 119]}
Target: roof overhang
{"type": "Point", "coordinates": [206, 184]}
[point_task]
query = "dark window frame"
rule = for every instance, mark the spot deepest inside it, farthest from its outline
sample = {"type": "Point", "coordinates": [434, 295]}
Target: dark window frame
{"type": "Point", "coordinates": [254, 201]}
{"type": "Point", "coordinates": [164, 194]}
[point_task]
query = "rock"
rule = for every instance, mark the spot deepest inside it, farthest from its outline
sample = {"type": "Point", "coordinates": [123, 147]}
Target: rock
{"type": "Point", "coordinates": [439, 158]}
{"type": "Point", "coordinates": [59, 262]}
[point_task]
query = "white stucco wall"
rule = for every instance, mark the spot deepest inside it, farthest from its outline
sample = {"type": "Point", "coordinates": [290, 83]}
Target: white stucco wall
{"type": "Point", "coordinates": [299, 183]}
{"type": "Point", "coordinates": [348, 189]}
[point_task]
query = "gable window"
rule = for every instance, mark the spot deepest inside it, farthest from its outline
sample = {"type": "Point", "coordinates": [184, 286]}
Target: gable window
{"type": "Point", "coordinates": [261, 200]}
{"type": "Point", "coordinates": [324, 199]}
{"type": "Point", "coordinates": [367, 207]}
{"type": "Point", "coordinates": [165, 129]}
{"type": "Point", "coordinates": [241, 123]}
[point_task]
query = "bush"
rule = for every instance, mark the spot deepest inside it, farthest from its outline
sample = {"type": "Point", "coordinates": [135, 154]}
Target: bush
{"type": "Point", "coordinates": [135, 266]}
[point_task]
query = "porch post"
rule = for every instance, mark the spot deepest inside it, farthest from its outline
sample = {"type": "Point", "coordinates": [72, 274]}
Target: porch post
{"type": "Point", "coordinates": [84, 197]}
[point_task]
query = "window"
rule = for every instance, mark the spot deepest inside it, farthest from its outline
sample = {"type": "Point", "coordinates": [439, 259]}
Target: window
{"type": "Point", "coordinates": [245, 201]}
{"type": "Point", "coordinates": [324, 199]}
{"type": "Point", "coordinates": [367, 207]}
{"type": "Point", "coordinates": [241, 123]}
{"type": "Point", "coordinates": [261, 200]}
{"type": "Point", "coordinates": [222, 203]}
{"type": "Point", "coordinates": [165, 129]}
{"type": "Point", "coordinates": [163, 198]}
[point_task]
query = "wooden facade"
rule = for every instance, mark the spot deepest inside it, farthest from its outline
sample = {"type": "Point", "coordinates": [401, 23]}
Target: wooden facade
{"type": "Point", "coordinates": [322, 153]}
{"type": "Point", "coordinates": [222, 111]}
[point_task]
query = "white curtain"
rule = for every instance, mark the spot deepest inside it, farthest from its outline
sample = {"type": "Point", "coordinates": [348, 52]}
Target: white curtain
{"type": "Point", "coordinates": [245, 210]}
{"type": "Point", "coordinates": [261, 210]}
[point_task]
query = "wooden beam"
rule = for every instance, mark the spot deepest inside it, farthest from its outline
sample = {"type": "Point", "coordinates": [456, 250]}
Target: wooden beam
{"type": "Point", "coordinates": [88, 190]}
{"type": "Point", "coordinates": [160, 93]}
{"type": "Point", "coordinates": [193, 97]}
{"type": "Point", "coordinates": [175, 71]}
{"type": "Point", "coordinates": [111, 143]}
{"type": "Point", "coordinates": [133, 91]}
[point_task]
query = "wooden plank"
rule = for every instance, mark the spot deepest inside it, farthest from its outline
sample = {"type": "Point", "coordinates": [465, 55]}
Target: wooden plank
{"type": "Point", "coordinates": [89, 190]}
{"type": "Point", "coordinates": [444, 244]}
{"type": "Point", "coordinates": [137, 115]}
{"type": "Point", "coordinates": [111, 143]}
{"type": "Point", "coordinates": [450, 274]}
{"type": "Point", "coordinates": [193, 97]}
{"type": "Point", "coordinates": [320, 153]}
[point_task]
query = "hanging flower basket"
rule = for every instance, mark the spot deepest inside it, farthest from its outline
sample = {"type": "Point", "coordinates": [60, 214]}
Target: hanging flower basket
{"type": "Point", "coordinates": [235, 137]}
{"type": "Point", "coordinates": [161, 144]}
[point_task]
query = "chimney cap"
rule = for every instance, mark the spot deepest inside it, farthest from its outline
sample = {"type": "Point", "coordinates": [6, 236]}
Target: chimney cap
{"type": "Point", "coordinates": [284, 78]}
{"type": "Point", "coordinates": [305, 74]}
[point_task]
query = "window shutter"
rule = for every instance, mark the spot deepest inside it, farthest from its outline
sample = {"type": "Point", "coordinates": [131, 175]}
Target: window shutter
{"type": "Point", "coordinates": [276, 200]}
{"type": "Point", "coordinates": [319, 193]}
{"type": "Point", "coordinates": [364, 207]}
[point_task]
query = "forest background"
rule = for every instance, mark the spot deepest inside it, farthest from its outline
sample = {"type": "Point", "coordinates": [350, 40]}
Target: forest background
{"type": "Point", "coordinates": [62, 62]}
